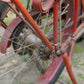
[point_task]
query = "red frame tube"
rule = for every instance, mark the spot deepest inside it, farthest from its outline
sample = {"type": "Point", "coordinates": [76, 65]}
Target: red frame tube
{"type": "Point", "coordinates": [33, 24]}
{"type": "Point", "coordinates": [5, 43]}
{"type": "Point", "coordinates": [78, 29]}
{"type": "Point", "coordinates": [76, 15]}
{"type": "Point", "coordinates": [72, 50]}
{"type": "Point", "coordinates": [69, 68]}
{"type": "Point", "coordinates": [3, 26]}
{"type": "Point", "coordinates": [56, 11]}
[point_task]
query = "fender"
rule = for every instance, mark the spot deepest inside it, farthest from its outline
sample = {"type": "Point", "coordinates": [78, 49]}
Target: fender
{"type": "Point", "coordinates": [5, 43]}
{"type": "Point", "coordinates": [42, 6]}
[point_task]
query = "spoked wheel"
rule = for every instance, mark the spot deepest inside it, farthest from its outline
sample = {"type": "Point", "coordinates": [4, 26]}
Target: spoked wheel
{"type": "Point", "coordinates": [41, 64]}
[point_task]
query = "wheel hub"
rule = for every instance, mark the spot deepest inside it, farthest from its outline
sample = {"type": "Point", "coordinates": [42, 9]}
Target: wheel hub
{"type": "Point", "coordinates": [25, 39]}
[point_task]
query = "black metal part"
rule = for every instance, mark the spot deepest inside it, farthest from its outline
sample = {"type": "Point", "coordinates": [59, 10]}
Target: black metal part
{"type": "Point", "coordinates": [16, 39]}
{"type": "Point", "coordinates": [3, 10]}
{"type": "Point", "coordinates": [44, 52]}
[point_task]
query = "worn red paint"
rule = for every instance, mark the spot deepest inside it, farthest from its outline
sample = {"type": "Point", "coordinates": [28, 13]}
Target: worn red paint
{"type": "Point", "coordinates": [78, 29]}
{"type": "Point", "coordinates": [71, 50]}
{"type": "Point", "coordinates": [76, 15]}
{"type": "Point", "coordinates": [42, 6]}
{"type": "Point", "coordinates": [56, 15]}
{"type": "Point", "coordinates": [3, 26]}
{"type": "Point", "coordinates": [5, 43]}
{"type": "Point", "coordinates": [53, 69]}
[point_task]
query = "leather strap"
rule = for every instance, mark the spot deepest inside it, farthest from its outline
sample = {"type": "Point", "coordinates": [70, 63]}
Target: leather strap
{"type": "Point", "coordinates": [42, 6]}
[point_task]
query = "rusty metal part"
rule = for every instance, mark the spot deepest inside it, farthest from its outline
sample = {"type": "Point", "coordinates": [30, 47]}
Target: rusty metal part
{"type": "Point", "coordinates": [64, 47]}
{"type": "Point", "coordinates": [76, 35]}
{"type": "Point", "coordinates": [34, 40]}
{"type": "Point", "coordinates": [4, 25]}
{"type": "Point", "coordinates": [5, 43]}
{"type": "Point", "coordinates": [78, 29]}
{"type": "Point", "coordinates": [53, 69]}
{"type": "Point", "coordinates": [36, 61]}
{"type": "Point", "coordinates": [35, 14]}
{"type": "Point", "coordinates": [42, 6]}
{"type": "Point", "coordinates": [60, 22]}
{"type": "Point", "coordinates": [56, 11]}
{"type": "Point", "coordinates": [79, 32]}
{"type": "Point", "coordinates": [44, 52]}
{"type": "Point", "coordinates": [72, 50]}
{"type": "Point", "coordinates": [76, 15]}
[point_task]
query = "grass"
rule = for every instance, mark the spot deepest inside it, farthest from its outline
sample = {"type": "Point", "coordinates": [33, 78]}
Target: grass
{"type": "Point", "coordinates": [78, 49]}
{"type": "Point", "coordinates": [81, 75]}
{"type": "Point", "coordinates": [25, 57]}
{"type": "Point", "coordinates": [68, 80]}
{"type": "Point", "coordinates": [24, 2]}
{"type": "Point", "coordinates": [18, 82]}
{"type": "Point", "coordinates": [7, 21]}
{"type": "Point", "coordinates": [47, 29]}
{"type": "Point", "coordinates": [63, 78]}
{"type": "Point", "coordinates": [77, 53]}
{"type": "Point", "coordinates": [77, 60]}
{"type": "Point", "coordinates": [10, 17]}
{"type": "Point", "coordinates": [0, 40]}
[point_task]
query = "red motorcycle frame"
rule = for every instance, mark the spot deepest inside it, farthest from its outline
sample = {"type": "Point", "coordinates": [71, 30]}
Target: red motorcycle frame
{"type": "Point", "coordinates": [38, 6]}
